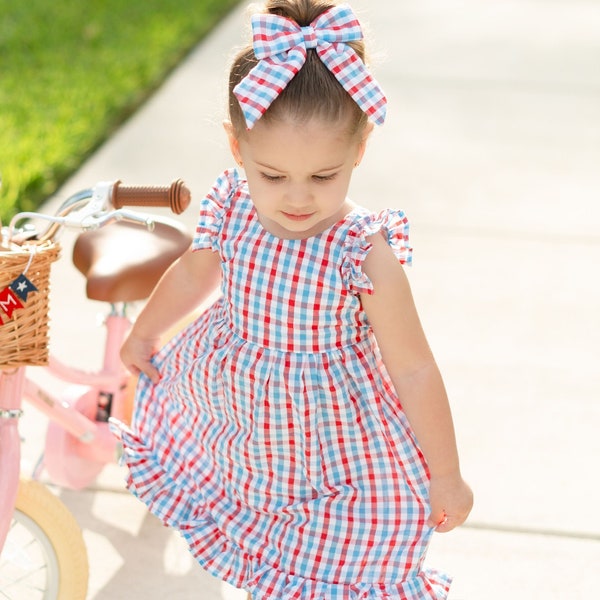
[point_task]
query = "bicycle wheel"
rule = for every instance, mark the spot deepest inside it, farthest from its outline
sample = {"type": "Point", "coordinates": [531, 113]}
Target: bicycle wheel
{"type": "Point", "coordinates": [44, 557]}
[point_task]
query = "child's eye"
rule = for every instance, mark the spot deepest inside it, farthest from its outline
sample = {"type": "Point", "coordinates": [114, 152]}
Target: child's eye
{"type": "Point", "coordinates": [271, 178]}
{"type": "Point", "coordinates": [322, 178]}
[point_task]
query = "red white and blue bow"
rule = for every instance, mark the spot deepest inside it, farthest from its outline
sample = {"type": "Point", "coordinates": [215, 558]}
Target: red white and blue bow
{"type": "Point", "coordinates": [280, 45]}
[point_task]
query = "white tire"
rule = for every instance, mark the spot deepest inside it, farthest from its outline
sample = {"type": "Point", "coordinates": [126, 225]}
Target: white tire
{"type": "Point", "coordinates": [44, 557]}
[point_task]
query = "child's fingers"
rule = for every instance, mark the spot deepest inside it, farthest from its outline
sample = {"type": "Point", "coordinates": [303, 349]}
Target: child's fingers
{"type": "Point", "coordinates": [449, 522]}
{"type": "Point", "coordinates": [445, 524]}
{"type": "Point", "coordinates": [436, 518]}
{"type": "Point", "coordinates": [443, 521]}
{"type": "Point", "coordinates": [147, 368]}
{"type": "Point", "coordinates": [151, 371]}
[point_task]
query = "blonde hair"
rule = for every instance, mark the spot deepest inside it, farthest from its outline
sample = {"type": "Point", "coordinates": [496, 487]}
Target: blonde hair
{"type": "Point", "coordinates": [314, 91]}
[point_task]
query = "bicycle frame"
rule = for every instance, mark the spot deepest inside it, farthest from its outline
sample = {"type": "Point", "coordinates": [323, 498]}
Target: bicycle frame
{"type": "Point", "coordinates": [109, 380]}
{"type": "Point", "coordinates": [83, 412]}
{"type": "Point", "coordinates": [11, 387]}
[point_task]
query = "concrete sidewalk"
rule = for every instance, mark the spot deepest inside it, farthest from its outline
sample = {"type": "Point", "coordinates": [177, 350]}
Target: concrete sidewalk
{"type": "Point", "coordinates": [492, 146]}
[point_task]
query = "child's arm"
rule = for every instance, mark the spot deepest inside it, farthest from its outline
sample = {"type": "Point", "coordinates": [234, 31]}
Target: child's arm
{"type": "Point", "coordinates": [184, 285]}
{"type": "Point", "coordinates": [412, 368]}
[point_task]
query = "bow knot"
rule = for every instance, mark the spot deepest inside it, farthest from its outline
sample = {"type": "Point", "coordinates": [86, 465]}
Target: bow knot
{"type": "Point", "coordinates": [310, 37]}
{"type": "Point", "coordinates": [281, 46]}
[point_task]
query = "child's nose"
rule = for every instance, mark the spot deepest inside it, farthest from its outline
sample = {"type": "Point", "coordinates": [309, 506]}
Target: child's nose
{"type": "Point", "coordinates": [299, 195]}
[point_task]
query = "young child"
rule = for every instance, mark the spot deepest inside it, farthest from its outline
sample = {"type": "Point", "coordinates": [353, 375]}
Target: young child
{"type": "Point", "coordinates": [298, 433]}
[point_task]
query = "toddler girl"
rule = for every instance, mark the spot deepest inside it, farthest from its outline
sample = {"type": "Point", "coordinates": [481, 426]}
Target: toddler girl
{"type": "Point", "coordinates": [297, 433]}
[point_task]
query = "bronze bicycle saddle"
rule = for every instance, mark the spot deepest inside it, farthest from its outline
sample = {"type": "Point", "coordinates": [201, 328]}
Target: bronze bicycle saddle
{"type": "Point", "coordinates": [123, 262]}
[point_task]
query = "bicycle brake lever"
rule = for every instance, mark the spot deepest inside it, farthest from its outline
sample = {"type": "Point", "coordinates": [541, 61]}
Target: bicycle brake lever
{"type": "Point", "coordinates": [89, 211]}
{"type": "Point", "coordinates": [130, 216]}
{"type": "Point", "coordinates": [96, 221]}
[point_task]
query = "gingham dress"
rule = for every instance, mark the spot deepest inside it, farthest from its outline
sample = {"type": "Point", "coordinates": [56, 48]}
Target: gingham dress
{"type": "Point", "coordinates": [275, 442]}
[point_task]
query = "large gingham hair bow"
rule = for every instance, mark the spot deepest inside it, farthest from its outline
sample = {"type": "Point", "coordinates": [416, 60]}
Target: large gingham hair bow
{"type": "Point", "coordinates": [280, 45]}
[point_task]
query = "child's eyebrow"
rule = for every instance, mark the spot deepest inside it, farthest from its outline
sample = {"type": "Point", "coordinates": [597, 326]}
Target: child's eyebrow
{"type": "Point", "coordinates": [266, 166]}
{"type": "Point", "coordinates": [334, 168]}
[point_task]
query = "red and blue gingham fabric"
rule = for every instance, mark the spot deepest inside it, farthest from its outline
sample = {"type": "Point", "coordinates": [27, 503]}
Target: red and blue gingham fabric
{"type": "Point", "coordinates": [275, 442]}
{"type": "Point", "coordinates": [280, 45]}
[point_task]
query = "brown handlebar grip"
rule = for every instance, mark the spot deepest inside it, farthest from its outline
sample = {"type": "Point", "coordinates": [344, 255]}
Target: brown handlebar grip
{"type": "Point", "coordinates": [177, 196]}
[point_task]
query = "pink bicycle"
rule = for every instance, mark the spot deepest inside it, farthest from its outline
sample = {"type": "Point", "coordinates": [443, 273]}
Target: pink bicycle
{"type": "Point", "coordinates": [43, 554]}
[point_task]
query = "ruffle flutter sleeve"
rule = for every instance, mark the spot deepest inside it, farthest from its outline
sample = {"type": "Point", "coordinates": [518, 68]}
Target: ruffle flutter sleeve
{"type": "Point", "coordinates": [212, 210]}
{"type": "Point", "coordinates": [393, 225]}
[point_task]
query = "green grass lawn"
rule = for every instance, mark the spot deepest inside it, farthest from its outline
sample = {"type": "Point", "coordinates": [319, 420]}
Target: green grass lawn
{"type": "Point", "coordinates": [71, 72]}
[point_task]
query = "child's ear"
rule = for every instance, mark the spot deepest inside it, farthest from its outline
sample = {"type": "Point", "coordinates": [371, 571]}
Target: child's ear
{"type": "Point", "coordinates": [362, 145]}
{"type": "Point", "coordinates": [234, 144]}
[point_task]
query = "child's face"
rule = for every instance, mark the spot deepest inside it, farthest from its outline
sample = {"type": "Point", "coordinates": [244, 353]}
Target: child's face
{"type": "Point", "coordinates": [298, 174]}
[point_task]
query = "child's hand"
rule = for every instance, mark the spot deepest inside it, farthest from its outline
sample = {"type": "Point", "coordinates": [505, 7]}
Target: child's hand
{"type": "Point", "coordinates": [451, 500]}
{"type": "Point", "coordinates": [136, 355]}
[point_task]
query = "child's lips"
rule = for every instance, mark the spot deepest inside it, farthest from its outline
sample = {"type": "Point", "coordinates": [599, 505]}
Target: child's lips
{"type": "Point", "coordinates": [298, 217]}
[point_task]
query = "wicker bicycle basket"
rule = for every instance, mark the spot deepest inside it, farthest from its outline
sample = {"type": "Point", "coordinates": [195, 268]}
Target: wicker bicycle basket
{"type": "Point", "coordinates": [24, 334]}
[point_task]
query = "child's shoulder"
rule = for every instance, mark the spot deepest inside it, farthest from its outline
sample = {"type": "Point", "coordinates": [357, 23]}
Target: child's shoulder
{"type": "Point", "coordinates": [359, 225]}
{"type": "Point", "coordinates": [363, 222]}
{"type": "Point", "coordinates": [225, 188]}
{"type": "Point", "coordinates": [367, 232]}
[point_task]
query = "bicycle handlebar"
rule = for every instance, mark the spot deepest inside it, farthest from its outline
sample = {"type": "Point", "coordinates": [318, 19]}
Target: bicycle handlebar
{"type": "Point", "coordinates": [102, 204]}
{"type": "Point", "coordinates": [177, 196]}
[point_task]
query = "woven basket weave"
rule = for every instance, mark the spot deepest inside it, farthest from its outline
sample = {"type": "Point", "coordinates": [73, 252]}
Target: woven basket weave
{"type": "Point", "coordinates": [24, 337]}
